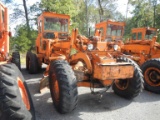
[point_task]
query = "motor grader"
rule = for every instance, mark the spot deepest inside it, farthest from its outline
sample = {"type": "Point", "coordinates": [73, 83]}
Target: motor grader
{"type": "Point", "coordinates": [145, 50]}
{"type": "Point", "coordinates": [15, 100]}
{"type": "Point", "coordinates": [76, 61]}
{"type": "Point", "coordinates": [142, 48]}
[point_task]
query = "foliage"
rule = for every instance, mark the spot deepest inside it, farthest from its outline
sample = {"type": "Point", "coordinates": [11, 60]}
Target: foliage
{"type": "Point", "coordinates": [143, 15]}
{"type": "Point", "coordinates": [59, 6]}
{"type": "Point", "coordinates": [21, 41]}
{"type": "Point", "coordinates": [84, 14]}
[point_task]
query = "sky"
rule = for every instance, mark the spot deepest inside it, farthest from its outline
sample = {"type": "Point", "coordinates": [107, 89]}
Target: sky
{"type": "Point", "coordinates": [122, 4]}
{"type": "Point", "coordinates": [122, 7]}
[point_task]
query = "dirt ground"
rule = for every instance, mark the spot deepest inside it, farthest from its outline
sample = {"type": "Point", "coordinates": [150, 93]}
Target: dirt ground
{"type": "Point", "coordinates": [111, 107]}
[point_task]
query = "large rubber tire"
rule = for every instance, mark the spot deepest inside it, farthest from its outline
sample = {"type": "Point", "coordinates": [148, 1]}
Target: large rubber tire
{"type": "Point", "coordinates": [129, 88]}
{"type": "Point", "coordinates": [27, 60]}
{"type": "Point", "coordinates": [33, 67]}
{"type": "Point", "coordinates": [63, 86]}
{"type": "Point", "coordinates": [151, 72]}
{"type": "Point", "coordinates": [16, 59]}
{"type": "Point", "coordinates": [12, 88]}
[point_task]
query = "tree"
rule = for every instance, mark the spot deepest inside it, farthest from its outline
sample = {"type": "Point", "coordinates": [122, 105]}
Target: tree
{"type": "Point", "coordinates": [21, 40]}
{"type": "Point", "coordinates": [157, 20]}
{"type": "Point", "coordinates": [107, 9]}
{"type": "Point", "coordinates": [143, 13]}
{"type": "Point", "coordinates": [26, 15]}
{"type": "Point", "coordinates": [59, 6]}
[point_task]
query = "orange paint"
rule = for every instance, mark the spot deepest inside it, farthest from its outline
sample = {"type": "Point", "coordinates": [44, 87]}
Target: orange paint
{"type": "Point", "coordinates": [23, 93]}
{"type": "Point", "coordinates": [4, 32]}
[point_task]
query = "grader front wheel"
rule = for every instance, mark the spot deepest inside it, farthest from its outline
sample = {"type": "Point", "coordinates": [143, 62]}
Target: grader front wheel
{"type": "Point", "coordinates": [15, 99]}
{"type": "Point", "coordinates": [151, 72]}
{"type": "Point", "coordinates": [129, 88]}
{"type": "Point", "coordinates": [63, 86]}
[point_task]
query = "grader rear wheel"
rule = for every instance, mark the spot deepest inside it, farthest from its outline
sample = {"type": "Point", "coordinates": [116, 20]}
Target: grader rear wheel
{"type": "Point", "coordinates": [32, 63]}
{"type": "Point", "coordinates": [15, 102]}
{"type": "Point", "coordinates": [151, 72]}
{"type": "Point", "coordinates": [16, 59]}
{"type": "Point", "coordinates": [27, 60]}
{"type": "Point", "coordinates": [63, 86]}
{"type": "Point", "coordinates": [129, 88]}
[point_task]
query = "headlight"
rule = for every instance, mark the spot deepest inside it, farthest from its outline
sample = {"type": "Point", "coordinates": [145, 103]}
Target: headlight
{"type": "Point", "coordinates": [115, 47]}
{"type": "Point", "coordinates": [90, 47]}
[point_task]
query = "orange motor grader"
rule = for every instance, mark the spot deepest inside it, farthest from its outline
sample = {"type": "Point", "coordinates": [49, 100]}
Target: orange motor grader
{"type": "Point", "coordinates": [76, 61]}
{"type": "Point", "coordinates": [15, 100]}
{"type": "Point", "coordinates": [144, 49]}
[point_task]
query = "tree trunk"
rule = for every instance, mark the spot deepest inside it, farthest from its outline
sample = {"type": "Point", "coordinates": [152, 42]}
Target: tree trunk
{"type": "Point", "coordinates": [26, 14]}
{"type": "Point", "coordinates": [100, 9]}
{"type": "Point", "coordinates": [154, 18]}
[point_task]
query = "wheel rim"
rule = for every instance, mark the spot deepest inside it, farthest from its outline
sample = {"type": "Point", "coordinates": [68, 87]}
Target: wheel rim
{"type": "Point", "coordinates": [55, 89]}
{"type": "Point", "coordinates": [122, 84]}
{"type": "Point", "coordinates": [152, 76]}
{"type": "Point", "coordinates": [23, 93]}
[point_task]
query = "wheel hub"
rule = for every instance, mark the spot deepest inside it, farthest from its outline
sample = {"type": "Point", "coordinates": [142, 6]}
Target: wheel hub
{"type": "Point", "coordinates": [152, 76]}
{"type": "Point", "coordinates": [122, 84]}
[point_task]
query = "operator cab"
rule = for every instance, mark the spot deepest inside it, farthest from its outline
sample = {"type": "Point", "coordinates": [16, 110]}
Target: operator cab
{"type": "Point", "coordinates": [111, 30]}
{"type": "Point", "coordinates": [53, 26]}
{"type": "Point", "coordinates": [144, 33]}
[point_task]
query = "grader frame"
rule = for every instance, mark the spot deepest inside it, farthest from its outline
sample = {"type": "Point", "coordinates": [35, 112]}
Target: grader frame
{"type": "Point", "coordinates": [63, 47]}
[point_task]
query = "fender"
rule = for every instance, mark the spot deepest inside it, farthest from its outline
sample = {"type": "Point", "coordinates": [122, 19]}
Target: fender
{"type": "Point", "coordinates": [83, 57]}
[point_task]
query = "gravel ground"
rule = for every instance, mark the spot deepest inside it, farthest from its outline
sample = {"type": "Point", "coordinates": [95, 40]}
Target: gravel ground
{"type": "Point", "coordinates": [111, 107]}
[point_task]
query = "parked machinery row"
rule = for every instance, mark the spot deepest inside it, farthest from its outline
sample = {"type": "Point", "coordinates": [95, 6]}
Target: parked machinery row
{"type": "Point", "coordinates": [100, 61]}
{"type": "Point", "coordinates": [77, 61]}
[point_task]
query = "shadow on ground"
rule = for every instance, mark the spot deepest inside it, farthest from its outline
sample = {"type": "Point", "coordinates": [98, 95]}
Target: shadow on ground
{"type": "Point", "coordinates": [87, 103]}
